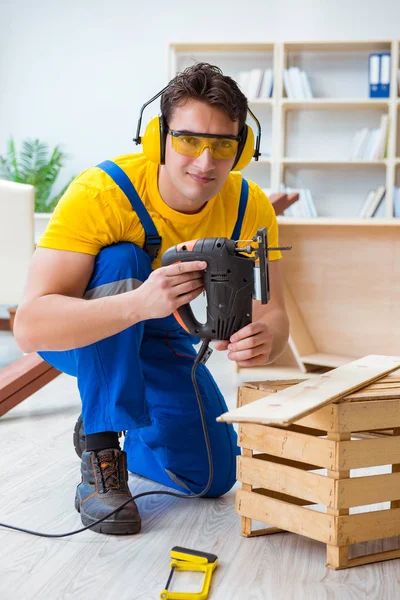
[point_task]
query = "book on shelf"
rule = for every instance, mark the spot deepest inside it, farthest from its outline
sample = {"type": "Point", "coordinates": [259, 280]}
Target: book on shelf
{"type": "Point", "coordinates": [256, 83]}
{"type": "Point", "coordinates": [296, 84]}
{"type": "Point", "coordinates": [372, 202]}
{"type": "Point", "coordinates": [304, 207]}
{"type": "Point", "coordinates": [370, 144]}
{"type": "Point", "coordinates": [379, 75]}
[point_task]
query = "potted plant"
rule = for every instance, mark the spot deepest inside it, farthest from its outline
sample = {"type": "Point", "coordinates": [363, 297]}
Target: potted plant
{"type": "Point", "coordinates": [37, 166]}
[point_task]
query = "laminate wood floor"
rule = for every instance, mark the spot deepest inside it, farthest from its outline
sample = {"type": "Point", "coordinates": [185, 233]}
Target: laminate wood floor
{"type": "Point", "coordinates": [39, 472]}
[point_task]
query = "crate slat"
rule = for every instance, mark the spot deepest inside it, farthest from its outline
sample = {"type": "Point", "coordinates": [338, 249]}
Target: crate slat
{"type": "Point", "coordinates": [364, 527]}
{"type": "Point", "coordinates": [359, 491]}
{"type": "Point", "coordinates": [288, 444]}
{"type": "Point", "coordinates": [362, 416]}
{"type": "Point", "coordinates": [288, 480]}
{"type": "Point", "coordinates": [368, 453]}
{"type": "Point", "coordinates": [304, 521]}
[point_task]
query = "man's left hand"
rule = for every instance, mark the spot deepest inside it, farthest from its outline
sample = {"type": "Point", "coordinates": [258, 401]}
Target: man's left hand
{"type": "Point", "coordinates": [250, 346]}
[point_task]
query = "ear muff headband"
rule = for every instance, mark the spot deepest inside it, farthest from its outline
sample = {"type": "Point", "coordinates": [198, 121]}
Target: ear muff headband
{"type": "Point", "coordinates": [155, 135]}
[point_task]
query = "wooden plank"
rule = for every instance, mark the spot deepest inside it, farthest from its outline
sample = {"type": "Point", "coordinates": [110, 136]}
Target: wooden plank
{"type": "Point", "coordinates": [20, 372]}
{"type": "Point", "coordinates": [322, 418]}
{"type": "Point", "coordinates": [396, 470]}
{"type": "Point", "coordinates": [359, 491]}
{"type": "Point", "coordinates": [245, 529]}
{"type": "Point", "coordinates": [373, 395]}
{"type": "Point", "coordinates": [371, 558]}
{"type": "Point", "coordinates": [289, 405]}
{"type": "Point", "coordinates": [375, 525]}
{"type": "Point", "coordinates": [304, 521]}
{"type": "Point", "coordinates": [326, 360]}
{"type": "Point", "coordinates": [22, 378]}
{"type": "Point", "coordinates": [4, 324]}
{"type": "Point", "coordinates": [368, 453]}
{"type": "Point", "coordinates": [287, 480]}
{"type": "Point", "coordinates": [363, 416]}
{"type": "Point", "coordinates": [288, 444]}
{"type": "Point", "coordinates": [272, 383]}
{"type": "Point", "coordinates": [247, 395]}
{"type": "Point", "coordinates": [384, 385]}
{"type": "Point", "coordinates": [29, 389]}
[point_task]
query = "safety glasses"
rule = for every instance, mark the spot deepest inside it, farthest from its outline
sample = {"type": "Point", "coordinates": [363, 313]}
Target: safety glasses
{"type": "Point", "coordinates": [192, 144]}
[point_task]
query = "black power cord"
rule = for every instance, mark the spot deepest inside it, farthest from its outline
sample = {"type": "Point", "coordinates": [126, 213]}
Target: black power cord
{"type": "Point", "coordinates": [202, 356]}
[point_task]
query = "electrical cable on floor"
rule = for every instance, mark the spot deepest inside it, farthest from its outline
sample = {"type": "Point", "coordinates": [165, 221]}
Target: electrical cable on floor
{"type": "Point", "coordinates": [202, 356]}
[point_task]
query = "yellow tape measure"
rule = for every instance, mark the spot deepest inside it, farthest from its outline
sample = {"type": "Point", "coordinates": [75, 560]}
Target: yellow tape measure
{"type": "Point", "coordinates": [185, 559]}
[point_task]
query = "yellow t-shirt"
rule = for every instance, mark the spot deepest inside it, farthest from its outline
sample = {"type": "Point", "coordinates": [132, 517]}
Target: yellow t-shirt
{"type": "Point", "coordinates": [94, 212]}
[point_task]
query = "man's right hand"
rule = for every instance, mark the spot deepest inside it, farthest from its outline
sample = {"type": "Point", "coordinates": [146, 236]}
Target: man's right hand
{"type": "Point", "coordinates": [170, 287]}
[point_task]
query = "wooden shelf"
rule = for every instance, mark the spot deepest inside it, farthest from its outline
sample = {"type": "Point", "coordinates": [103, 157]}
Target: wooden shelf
{"type": "Point", "coordinates": [330, 221]}
{"type": "Point", "coordinates": [335, 163]}
{"type": "Point", "coordinates": [262, 102]}
{"type": "Point", "coordinates": [222, 47]}
{"type": "Point", "coordinates": [337, 46]}
{"type": "Point", "coordinates": [334, 103]}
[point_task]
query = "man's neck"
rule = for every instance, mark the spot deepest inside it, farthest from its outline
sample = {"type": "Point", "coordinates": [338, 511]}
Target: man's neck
{"type": "Point", "coordinates": [173, 197]}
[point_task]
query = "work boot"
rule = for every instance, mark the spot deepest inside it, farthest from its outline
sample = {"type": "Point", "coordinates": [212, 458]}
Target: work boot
{"type": "Point", "coordinates": [79, 437]}
{"type": "Point", "coordinates": [103, 488]}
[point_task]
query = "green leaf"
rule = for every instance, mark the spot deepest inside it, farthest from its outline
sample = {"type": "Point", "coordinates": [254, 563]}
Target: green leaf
{"type": "Point", "coordinates": [34, 166]}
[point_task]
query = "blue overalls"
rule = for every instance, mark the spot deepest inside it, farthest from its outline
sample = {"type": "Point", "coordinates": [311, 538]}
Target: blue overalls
{"type": "Point", "coordinates": [139, 380]}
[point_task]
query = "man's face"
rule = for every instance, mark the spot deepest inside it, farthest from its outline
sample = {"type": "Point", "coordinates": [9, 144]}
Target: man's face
{"type": "Point", "coordinates": [197, 180]}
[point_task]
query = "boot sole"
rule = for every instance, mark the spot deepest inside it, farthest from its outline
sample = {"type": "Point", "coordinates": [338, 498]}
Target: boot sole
{"type": "Point", "coordinates": [79, 448]}
{"type": "Point", "coordinates": [109, 527]}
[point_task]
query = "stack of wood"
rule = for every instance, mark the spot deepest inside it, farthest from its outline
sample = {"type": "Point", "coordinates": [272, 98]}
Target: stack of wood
{"type": "Point", "coordinates": [301, 439]}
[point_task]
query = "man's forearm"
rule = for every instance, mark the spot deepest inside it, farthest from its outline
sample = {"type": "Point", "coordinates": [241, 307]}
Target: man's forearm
{"type": "Point", "coordinates": [278, 323]}
{"type": "Point", "coordinates": [56, 322]}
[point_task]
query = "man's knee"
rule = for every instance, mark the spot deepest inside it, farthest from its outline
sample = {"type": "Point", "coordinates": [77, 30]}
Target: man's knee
{"type": "Point", "coordinates": [224, 473]}
{"type": "Point", "coordinates": [121, 267]}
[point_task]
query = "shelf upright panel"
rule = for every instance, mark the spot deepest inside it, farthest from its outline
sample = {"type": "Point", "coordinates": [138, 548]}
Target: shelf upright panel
{"type": "Point", "coordinates": [391, 146]}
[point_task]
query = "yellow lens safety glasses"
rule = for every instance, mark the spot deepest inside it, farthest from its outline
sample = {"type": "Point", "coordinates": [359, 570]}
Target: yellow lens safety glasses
{"type": "Point", "coordinates": [193, 144]}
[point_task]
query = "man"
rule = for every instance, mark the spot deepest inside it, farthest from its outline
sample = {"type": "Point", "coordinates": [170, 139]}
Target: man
{"type": "Point", "coordinates": [99, 307]}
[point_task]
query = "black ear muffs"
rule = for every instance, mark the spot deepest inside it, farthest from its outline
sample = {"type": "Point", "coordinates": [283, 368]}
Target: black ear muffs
{"type": "Point", "coordinates": [245, 149]}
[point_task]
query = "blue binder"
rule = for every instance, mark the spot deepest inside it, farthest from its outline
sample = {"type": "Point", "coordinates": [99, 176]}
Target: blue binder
{"type": "Point", "coordinates": [384, 78]}
{"type": "Point", "coordinates": [374, 72]}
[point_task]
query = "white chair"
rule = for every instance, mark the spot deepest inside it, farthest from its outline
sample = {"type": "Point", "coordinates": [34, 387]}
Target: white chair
{"type": "Point", "coordinates": [17, 238]}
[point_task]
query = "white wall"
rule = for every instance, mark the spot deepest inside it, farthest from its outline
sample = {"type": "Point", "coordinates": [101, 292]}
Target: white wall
{"type": "Point", "coordinates": [77, 73]}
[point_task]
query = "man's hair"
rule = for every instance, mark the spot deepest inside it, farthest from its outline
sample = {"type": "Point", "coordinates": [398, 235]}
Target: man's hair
{"type": "Point", "coordinates": [206, 83]}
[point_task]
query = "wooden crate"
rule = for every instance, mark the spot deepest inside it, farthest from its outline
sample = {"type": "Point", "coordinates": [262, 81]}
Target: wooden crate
{"type": "Point", "coordinates": [279, 483]}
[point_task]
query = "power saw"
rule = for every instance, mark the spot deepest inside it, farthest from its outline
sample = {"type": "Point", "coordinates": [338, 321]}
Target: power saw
{"type": "Point", "coordinates": [235, 275]}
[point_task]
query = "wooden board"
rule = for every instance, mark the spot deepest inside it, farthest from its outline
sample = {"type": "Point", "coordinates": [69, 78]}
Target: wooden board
{"type": "Point", "coordinates": [289, 405]}
{"type": "Point", "coordinates": [22, 378]}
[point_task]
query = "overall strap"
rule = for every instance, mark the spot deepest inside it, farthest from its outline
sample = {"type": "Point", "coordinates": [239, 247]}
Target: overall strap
{"type": "Point", "coordinates": [152, 241]}
{"type": "Point", "coordinates": [244, 194]}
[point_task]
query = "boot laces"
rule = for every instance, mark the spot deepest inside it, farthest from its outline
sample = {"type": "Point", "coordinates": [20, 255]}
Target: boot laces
{"type": "Point", "coordinates": [109, 471]}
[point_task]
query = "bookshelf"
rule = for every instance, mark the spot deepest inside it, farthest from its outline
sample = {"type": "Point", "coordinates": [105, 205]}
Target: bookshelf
{"type": "Point", "coordinates": [305, 143]}
{"type": "Point", "coordinates": [341, 280]}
